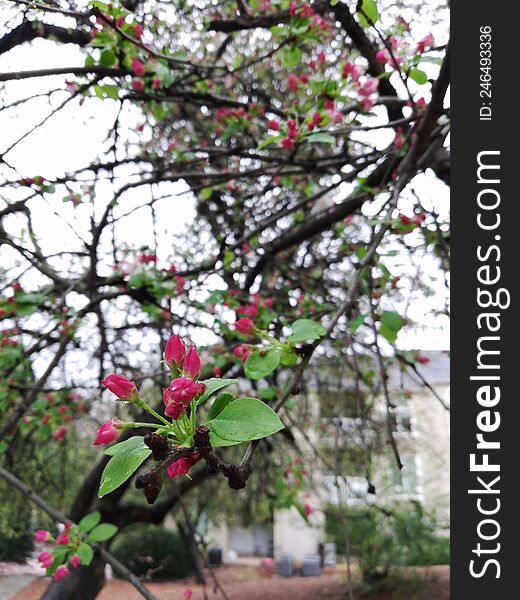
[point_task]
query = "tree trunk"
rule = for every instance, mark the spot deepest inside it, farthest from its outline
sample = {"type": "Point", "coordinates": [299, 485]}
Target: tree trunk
{"type": "Point", "coordinates": [82, 583]}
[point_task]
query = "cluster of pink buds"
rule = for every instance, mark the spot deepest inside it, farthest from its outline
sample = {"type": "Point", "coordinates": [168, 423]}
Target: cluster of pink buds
{"type": "Point", "coordinates": [46, 559]}
{"type": "Point", "coordinates": [182, 390]}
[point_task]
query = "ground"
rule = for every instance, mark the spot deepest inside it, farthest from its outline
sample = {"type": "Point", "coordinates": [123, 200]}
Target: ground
{"type": "Point", "coordinates": [243, 583]}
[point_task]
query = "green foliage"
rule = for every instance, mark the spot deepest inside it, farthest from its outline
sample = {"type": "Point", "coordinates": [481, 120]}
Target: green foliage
{"type": "Point", "coordinates": [147, 549]}
{"type": "Point", "coordinates": [261, 363]}
{"type": "Point", "coordinates": [406, 538]}
{"type": "Point", "coordinates": [16, 535]}
{"type": "Point", "coordinates": [244, 420]}
{"type": "Point", "coordinates": [127, 457]}
{"type": "Point", "coordinates": [305, 330]}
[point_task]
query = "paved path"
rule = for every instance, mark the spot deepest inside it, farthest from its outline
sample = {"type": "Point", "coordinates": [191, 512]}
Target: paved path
{"type": "Point", "coordinates": [11, 584]}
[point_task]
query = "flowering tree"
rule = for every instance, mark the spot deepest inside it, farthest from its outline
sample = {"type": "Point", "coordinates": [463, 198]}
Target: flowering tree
{"type": "Point", "coordinates": [255, 192]}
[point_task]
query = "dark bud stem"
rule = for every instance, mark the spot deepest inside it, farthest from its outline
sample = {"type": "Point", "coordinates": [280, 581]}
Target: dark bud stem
{"type": "Point", "coordinates": [158, 444]}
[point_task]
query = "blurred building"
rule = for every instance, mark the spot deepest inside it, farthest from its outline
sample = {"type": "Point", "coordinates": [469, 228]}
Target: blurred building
{"type": "Point", "coordinates": [357, 463]}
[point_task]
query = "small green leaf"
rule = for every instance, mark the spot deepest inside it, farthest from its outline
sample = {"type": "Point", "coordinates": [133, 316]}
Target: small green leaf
{"type": "Point", "coordinates": [246, 419]}
{"type": "Point", "coordinates": [220, 403]}
{"type": "Point", "coordinates": [418, 76]}
{"type": "Point", "coordinates": [355, 323]}
{"type": "Point", "coordinates": [213, 385]}
{"type": "Point", "coordinates": [102, 532]}
{"type": "Point", "coordinates": [127, 457]}
{"type": "Point", "coordinates": [388, 333]}
{"type": "Point", "coordinates": [288, 358]}
{"type": "Point", "coordinates": [322, 137]}
{"type": "Point", "coordinates": [261, 363]}
{"type": "Point", "coordinates": [368, 14]}
{"type": "Point", "coordinates": [292, 56]}
{"type": "Point", "coordinates": [89, 521]}
{"type": "Point", "coordinates": [305, 330]}
{"type": "Point", "coordinates": [391, 320]}
{"type": "Point", "coordinates": [206, 193]}
{"type": "Point", "coordinates": [269, 140]}
{"type": "Point", "coordinates": [107, 58]}
{"type": "Point", "coordinates": [85, 553]}
{"type": "Point", "coordinates": [267, 393]}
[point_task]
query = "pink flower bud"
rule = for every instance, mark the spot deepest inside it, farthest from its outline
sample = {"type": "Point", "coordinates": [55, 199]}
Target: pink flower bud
{"type": "Point", "coordinates": [60, 433]}
{"type": "Point", "coordinates": [137, 67]}
{"type": "Point", "coordinates": [174, 352]}
{"type": "Point", "coordinates": [250, 311]}
{"type": "Point", "coordinates": [308, 510]}
{"type": "Point", "coordinates": [274, 125]}
{"type": "Point", "coordinates": [191, 364]}
{"type": "Point", "coordinates": [42, 535]}
{"type": "Point", "coordinates": [179, 394]}
{"type": "Point", "coordinates": [368, 87]}
{"type": "Point", "coordinates": [108, 432]}
{"type": "Point", "coordinates": [75, 560]}
{"type": "Point", "coordinates": [188, 593]}
{"type": "Point", "coordinates": [122, 387]}
{"type": "Point", "coordinates": [244, 325]}
{"type": "Point", "coordinates": [60, 572]}
{"type": "Point", "coordinates": [63, 538]}
{"type": "Point", "coordinates": [179, 467]}
{"type": "Point", "coordinates": [425, 43]}
{"type": "Point", "coordinates": [137, 85]}
{"type": "Point", "coordinates": [383, 56]}
{"type": "Point", "coordinates": [45, 558]}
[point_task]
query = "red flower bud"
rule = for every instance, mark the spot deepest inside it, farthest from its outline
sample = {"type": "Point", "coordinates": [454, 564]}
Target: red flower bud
{"type": "Point", "coordinates": [137, 67]}
{"type": "Point", "coordinates": [108, 432]}
{"type": "Point", "coordinates": [181, 466]}
{"type": "Point", "coordinates": [192, 365]}
{"type": "Point", "coordinates": [174, 352]}
{"type": "Point", "coordinates": [60, 572]}
{"type": "Point", "coordinates": [122, 387]}
{"type": "Point", "coordinates": [42, 535]}
{"type": "Point", "coordinates": [179, 394]}
{"type": "Point", "coordinates": [63, 538]}
{"type": "Point", "coordinates": [75, 560]}
{"type": "Point", "coordinates": [244, 325]}
{"type": "Point", "coordinates": [45, 558]}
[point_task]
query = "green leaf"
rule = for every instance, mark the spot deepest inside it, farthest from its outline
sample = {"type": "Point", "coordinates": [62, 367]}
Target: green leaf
{"type": "Point", "coordinates": [288, 358]}
{"type": "Point", "coordinates": [368, 14]}
{"type": "Point", "coordinates": [102, 532]}
{"type": "Point", "coordinates": [107, 58]}
{"type": "Point", "coordinates": [220, 403]}
{"type": "Point", "coordinates": [261, 362]}
{"type": "Point", "coordinates": [292, 56]}
{"type": "Point", "coordinates": [391, 320]}
{"type": "Point", "coordinates": [127, 457]}
{"type": "Point", "coordinates": [134, 442]}
{"type": "Point", "coordinates": [213, 385]}
{"type": "Point", "coordinates": [321, 137]}
{"type": "Point", "coordinates": [89, 521]}
{"type": "Point", "coordinates": [206, 193]}
{"type": "Point", "coordinates": [267, 393]}
{"type": "Point", "coordinates": [355, 323]}
{"type": "Point", "coordinates": [85, 553]}
{"type": "Point", "coordinates": [218, 442]}
{"type": "Point", "coordinates": [388, 333]}
{"type": "Point", "coordinates": [269, 140]}
{"type": "Point", "coordinates": [305, 330]}
{"type": "Point", "coordinates": [246, 419]}
{"type": "Point", "coordinates": [418, 76]}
